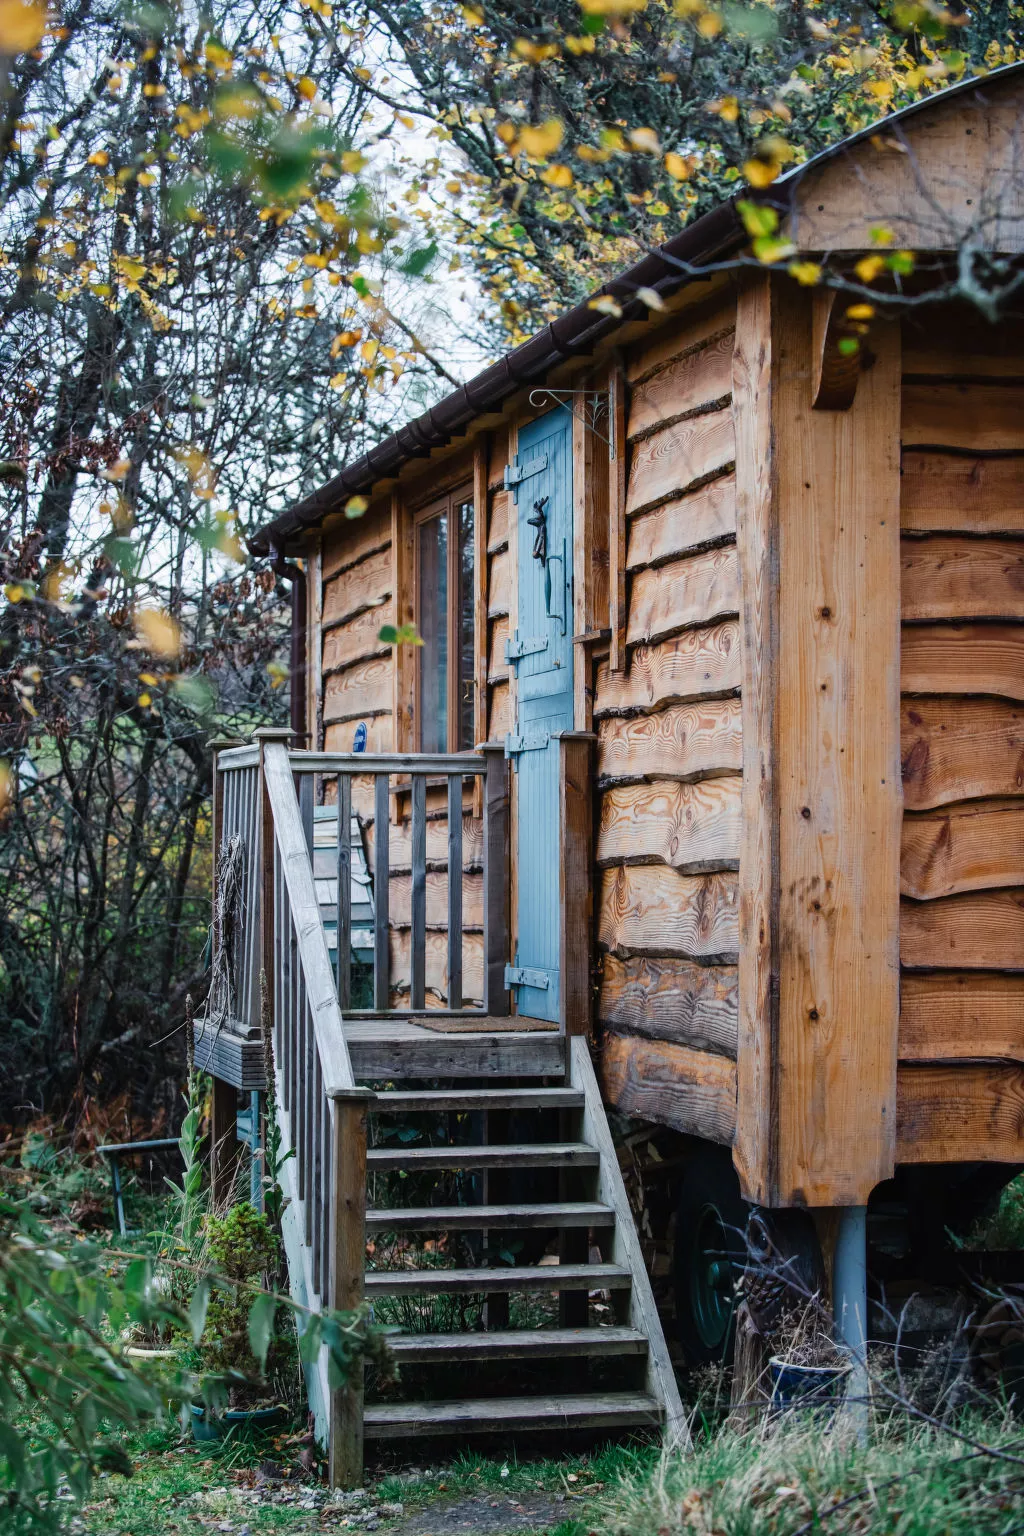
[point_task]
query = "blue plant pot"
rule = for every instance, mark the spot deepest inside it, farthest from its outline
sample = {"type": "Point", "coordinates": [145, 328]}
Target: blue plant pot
{"type": "Point", "coordinates": [806, 1386]}
{"type": "Point", "coordinates": [205, 1428]}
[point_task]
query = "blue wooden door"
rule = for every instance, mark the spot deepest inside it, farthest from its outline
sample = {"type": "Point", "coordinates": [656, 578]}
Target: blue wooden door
{"type": "Point", "coordinates": [541, 651]}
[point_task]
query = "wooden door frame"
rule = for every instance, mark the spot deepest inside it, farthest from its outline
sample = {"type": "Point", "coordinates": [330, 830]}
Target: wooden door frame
{"type": "Point", "coordinates": [445, 503]}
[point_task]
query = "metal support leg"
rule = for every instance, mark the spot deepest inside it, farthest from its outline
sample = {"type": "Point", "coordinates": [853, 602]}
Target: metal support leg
{"type": "Point", "coordinates": [850, 1305]}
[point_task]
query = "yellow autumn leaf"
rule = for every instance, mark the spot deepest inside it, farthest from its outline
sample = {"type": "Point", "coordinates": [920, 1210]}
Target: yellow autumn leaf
{"type": "Point", "coordinates": [356, 506]}
{"type": "Point", "coordinates": [679, 167]}
{"type": "Point", "coordinates": [860, 312]}
{"type": "Point", "coordinates": [651, 297]}
{"type": "Point", "coordinates": [21, 26]}
{"type": "Point", "coordinates": [807, 273]}
{"type": "Point", "coordinates": [157, 631]}
{"type": "Point", "coordinates": [585, 44]}
{"type": "Point", "coordinates": [760, 173]}
{"type": "Point", "coordinates": [277, 672]}
{"type": "Point", "coordinates": [306, 88]}
{"type": "Point", "coordinates": [146, 179]}
{"type": "Point", "coordinates": [145, 699]}
{"type": "Point", "coordinates": [868, 268]}
{"type": "Point", "coordinates": [605, 304]}
{"type": "Point", "coordinates": [117, 471]}
{"type": "Point", "coordinates": [149, 678]}
{"type": "Point", "coordinates": [98, 156]}
{"type": "Point", "coordinates": [352, 161]}
{"type": "Point", "coordinates": [710, 24]}
{"type": "Point", "coordinates": [543, 139]}
{"type": "Point", "coordinates": [557, 176]}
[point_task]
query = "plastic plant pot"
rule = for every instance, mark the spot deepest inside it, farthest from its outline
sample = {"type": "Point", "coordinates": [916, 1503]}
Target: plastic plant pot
{"type": "Point", "coordinates": [806, 1386]}
{"type": "Point", "coordinates": [205, 1428]}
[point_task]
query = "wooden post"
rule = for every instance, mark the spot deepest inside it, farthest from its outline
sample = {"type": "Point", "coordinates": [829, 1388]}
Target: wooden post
{"type": "Point", "coordinates": [575, 873]}
{"type": "Point", "coordinates": [496, 874]}
{"type": "Point", "coordinates": [347, 1263]}
{"type": "Point", "coordinates": [404, 729]}
{"type": "Point", "coordinates": [617, 517]}
{"type": "Point", "coordinates": [225, 1148]}
{"type": "Point", "coordinates": [268, 935]}
{"type": "Point", "coordinates": [818, 535]}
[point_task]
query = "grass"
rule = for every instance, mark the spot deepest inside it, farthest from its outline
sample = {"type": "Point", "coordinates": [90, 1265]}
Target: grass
{"type": "Point", "coordinates": [913, 1479]}
{"type": "Point", "coordinates": [186, 1488]}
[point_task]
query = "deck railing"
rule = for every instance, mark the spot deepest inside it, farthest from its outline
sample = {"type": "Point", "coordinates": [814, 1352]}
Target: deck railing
{"type": "Point", "coordinates": [273, 927]}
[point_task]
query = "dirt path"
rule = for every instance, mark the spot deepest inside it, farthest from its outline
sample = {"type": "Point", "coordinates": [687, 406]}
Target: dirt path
{"type": "Point", "coordinates": [484, 1515]}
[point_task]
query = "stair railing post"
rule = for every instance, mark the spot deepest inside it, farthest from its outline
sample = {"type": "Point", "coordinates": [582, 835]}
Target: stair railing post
{"type": "Point", "coordinates": [347, 1262]}
{"type": "Point", "coordinates": [496, 876]}
{"type": "Point", "coordinates": [268, 935]}
{"type": "Point", "coordinates": [575, 865]}
{"type": "Point", "coordinates": [224, 1148]}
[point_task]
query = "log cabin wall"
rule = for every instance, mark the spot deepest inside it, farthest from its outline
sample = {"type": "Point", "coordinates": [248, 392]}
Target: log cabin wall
{"type": "Point", "coordinates": [669, 743]}
{"type": "Point", "coordinates": [961, 1037]}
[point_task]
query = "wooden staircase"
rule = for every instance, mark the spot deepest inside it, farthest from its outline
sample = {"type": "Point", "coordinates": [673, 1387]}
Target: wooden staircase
{"type": "Point", "coordinates": [465, 1184]}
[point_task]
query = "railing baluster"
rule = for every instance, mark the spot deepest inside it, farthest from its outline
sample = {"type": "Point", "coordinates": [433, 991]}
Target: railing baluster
{"type": "Point", "coordinates": [495, 881]}
{"type": "Point", "coordinates": [381, 889]}
{"type": "Point", "coordinates": [344, 891]}
{"type": "Point", "coordinates": [314, 1204]}
{"type": "Point", "coordinates": [418, 899]}
{"type": "Point", "coordinates": [252, 1012]}
{"type": "Point", "coordinates": [301, 1083]}
{"type": "Point", "coordinates": [306, 809]}
{"type": "Point", "coordinates": [309, 1061]}
{"type": "Point", "coordinates": [455, 890]}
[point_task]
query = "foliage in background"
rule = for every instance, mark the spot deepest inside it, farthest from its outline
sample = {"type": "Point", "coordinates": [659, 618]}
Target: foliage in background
{"type": "Point", "coordinates": [592, 130]}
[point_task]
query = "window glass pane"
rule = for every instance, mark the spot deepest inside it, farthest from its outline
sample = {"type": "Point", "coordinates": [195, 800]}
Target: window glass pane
{"type": "Point", "coordinates": [432, 589]}
{"type": "Point", "coordinates": [465, 636]}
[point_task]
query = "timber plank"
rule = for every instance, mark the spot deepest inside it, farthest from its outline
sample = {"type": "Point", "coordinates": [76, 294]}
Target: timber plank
{"type": "Point", "coordinates": [517, 1343]}
{"type": "Point", "coordinates": [420, 1053]}
{"type": "Point", "coordinates": [497, 666]}
{"type": "Point", "coordinates": [706, 516]}
{"type": "Point", "coordinates": [509, 1415]}
{"type": "Point", "coordinates": [437, 901]}
{"type": "Point", "coordinates": [360, 690]}
{"type": "Point", "coordinates": [960, 749]}
{"type": "Point", "coordinates": [699, 378]}
{"type": "Point", "coordinates": [556, 1154]}
{"type": "Point", "coordinates": [359, 587]}
{"type": "Point", "coordinates": [511, 1277]}
{"type": "Point", "coordinates": [694, 590]}
{"type": "Point", "coordinates": [963, 658]}
{"type": "Point", "coordinates": [955, 342]}
{"type": "Point", "coordinates": [498, 586]}
{"type": "Point", "coordinates": [357, 639]}
{"type": "Point", "coordinates": [678, 458]}
{"type": "Point", "coordinates": [699, 662]}
{"type": "Point", "coordinates": [500, 716]}
{"type": "Point", "coordinates": [676, 1000]}
{"type": "Point", "coordinates": [347, 540]}
{"type": "Point", "coordinates": [686, 332]}
{"type": "Point", "coordinates": [979, 930]}
{"type": "Point", "coordinates": [400, 843]}
{"type": "Point", "coordinates": [340, 735]}
{"type": "Point", "coordinates": [497, 527]}
{"type": "Point", "coordinates": [650, 909]}
{"type": "Point", "coordinates": [958, 1014]}
{"type": "Point", "coordinates": [683, 741]}
{"type": "Point", "coordinates": [945, 577]}
{"type": "Point", "coordinates": [944, 492]}
{"type": "Point", "coordinates": [692, 827]}
{"type": "Point", "coordinates": [970, 414]}
{"type": "Point", "coordinates": [973, 847]}
{"type": "Point", "coordinates": [672, 1085]}
{"type": "Point", "coordinates": [436, 971]}
{"type": "Point", "coordinates": [481, 1218]}
{"type": "Point", "coordinates": [967, 1112]}
{"type": "Point", "coordinates": [463, 1100]}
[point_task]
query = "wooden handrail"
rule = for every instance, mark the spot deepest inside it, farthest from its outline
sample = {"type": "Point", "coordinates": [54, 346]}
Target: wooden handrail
{"type": "Point", "coordinates": [313, 956]}
{"type": "Point", "coordinates": [387, 762]}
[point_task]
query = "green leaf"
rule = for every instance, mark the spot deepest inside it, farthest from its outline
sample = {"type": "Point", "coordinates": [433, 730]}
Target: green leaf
{"type": "Point", "coordinates": [197, 1309]}
{"type": "Point", "coordinates": [418, 262]}
{"type": "Point", "coordinates": [261, 1325]}
{"type": "Point", "coordinates": [402, 634]}
{"type": "Point", "coordinates": [758, 219]}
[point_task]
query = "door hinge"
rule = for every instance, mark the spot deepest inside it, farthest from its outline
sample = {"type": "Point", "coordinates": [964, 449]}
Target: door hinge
{"type": "Point", "coordinates": [516, 473]}
{"type": "Point", "coordinates": [516, 649]}
{"type": "Point", "coordinates": [525, 741]}
{"type": "Point", "coordinates": [526, 976]}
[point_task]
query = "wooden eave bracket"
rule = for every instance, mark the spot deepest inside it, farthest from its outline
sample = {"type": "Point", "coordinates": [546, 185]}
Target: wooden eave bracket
{"type": "Point", "coordinates": [836, 368]}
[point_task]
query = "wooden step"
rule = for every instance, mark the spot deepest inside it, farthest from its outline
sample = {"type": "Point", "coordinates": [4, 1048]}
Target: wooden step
{"type": "Point", "coordinates": [397, 1050]}
{"type": "Point", "coordinates": [591, 1410]}
{"type": "Point", "coordinates": [510, 1277]}
{"type": "Point", "coordinates": [474, 1218]}
{"type": "Point", "coordinates": [516, 1343]}
{"type": "Point", "coordinates": [462, 1100]}
{"type": "Point", "coordinates": [557, 1154]}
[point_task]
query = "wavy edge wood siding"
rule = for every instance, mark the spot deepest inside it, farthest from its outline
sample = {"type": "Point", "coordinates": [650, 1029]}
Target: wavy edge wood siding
{"type": "Point", "coordinates": [669, 753]}
{"type": "Point", "coordinates": [962, 740]}
{"type": "Point", "coordinates": [818, 502]}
